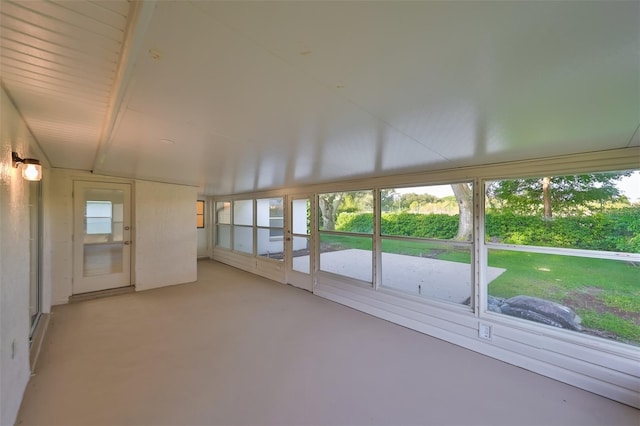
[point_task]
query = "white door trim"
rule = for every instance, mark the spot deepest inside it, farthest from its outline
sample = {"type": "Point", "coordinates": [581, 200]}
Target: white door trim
{"type": "Point", "coordinates": [120, 244]}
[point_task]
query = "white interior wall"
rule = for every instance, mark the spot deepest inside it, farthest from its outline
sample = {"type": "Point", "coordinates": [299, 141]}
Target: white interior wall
{"type": "Point", "coordinates": [14, 261]}
{"type": "Point", "coordinates": [203, 247]}
{"type": "Point", "coordinates": [165, 242]}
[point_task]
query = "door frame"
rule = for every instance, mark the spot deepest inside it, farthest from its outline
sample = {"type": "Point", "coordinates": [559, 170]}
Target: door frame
{"type": "Point", "coordinates": [125, 279]}
{"type": "Point", "coordinates": [293, 277]}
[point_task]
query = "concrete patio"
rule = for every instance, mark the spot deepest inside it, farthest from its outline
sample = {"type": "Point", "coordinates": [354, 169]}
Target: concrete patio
{"type": "Point", "coordinates": [427, 277]}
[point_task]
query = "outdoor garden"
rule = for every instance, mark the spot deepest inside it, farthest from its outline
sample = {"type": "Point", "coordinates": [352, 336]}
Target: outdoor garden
{"type": "Point", "coordinates": [584, 212]}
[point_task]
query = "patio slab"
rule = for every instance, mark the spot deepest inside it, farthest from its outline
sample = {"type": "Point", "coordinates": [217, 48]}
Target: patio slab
{"type": "Point", "coordinates": [427, 277]}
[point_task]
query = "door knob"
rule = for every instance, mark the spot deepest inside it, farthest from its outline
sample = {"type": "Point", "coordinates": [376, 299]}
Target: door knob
{"type": "Point", "coordinates": [126, 243]}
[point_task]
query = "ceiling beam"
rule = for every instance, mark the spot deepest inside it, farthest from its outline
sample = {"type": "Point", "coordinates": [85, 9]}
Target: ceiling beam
{"type": "Point", "coordinates": [139, 17]}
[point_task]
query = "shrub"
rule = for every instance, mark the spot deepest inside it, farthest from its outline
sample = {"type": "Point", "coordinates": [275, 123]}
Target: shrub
{"type": "Point", "coordinates": [355, 222]}
{"type": "Point", "coordinates": [613, 230]}
{"type": "Point", "coordinates": [439, 226]}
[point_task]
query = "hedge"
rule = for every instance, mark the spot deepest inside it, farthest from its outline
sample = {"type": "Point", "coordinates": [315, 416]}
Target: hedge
{"type": "Point", "coordinates": [615, 230]}
{"type": "Point", "coordinates": [440, 226]}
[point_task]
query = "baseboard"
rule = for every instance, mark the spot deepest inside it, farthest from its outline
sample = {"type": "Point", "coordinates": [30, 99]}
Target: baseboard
{"type": "Point", "coordinates": [37, 339]}
{"type": "Point", "coordinates": [102, 293]}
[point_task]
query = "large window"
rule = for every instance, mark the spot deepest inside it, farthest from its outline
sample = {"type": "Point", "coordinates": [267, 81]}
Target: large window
{"type": "Point", "coordinates": [346, 234]}
{"type": "Point", "coordinates": [223, 224]}
{"type": "Point", "coordinates": [243, 226]}
{"type": "Point", "coordinates": [569, 248]}
{"type": "Point", "coordinates": [270, 224]}
{"type": "Point", "coordinates": [426, 241]}
{"type": "Point", "coordinates": [562, 251]}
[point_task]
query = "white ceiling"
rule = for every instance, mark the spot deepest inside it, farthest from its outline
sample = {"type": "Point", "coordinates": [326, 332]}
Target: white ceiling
{"type": "Point", "coordinates": [257, 95]}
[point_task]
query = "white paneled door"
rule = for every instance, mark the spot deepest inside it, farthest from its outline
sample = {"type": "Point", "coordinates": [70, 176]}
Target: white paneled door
{"type": "Point", "coordinates": [102, 236]}
{"type": "Point", "coordinates": [299, 246]}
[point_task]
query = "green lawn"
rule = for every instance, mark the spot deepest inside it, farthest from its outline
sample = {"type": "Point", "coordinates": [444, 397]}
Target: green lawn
{"type": "Point", "coordinates": [605, 293]}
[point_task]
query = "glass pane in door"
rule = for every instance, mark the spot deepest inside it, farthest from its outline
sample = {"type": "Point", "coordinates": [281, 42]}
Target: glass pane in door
{"type": "Point", "coordinates": [103, 232]}
{"type": "Point", "coordinates": [35, 282]}
{"type": "Point", "coordinates": [300, 253]}
{"type": "Point", "coordinates": [300, 244]}
{"type": "Point", "coordinates": [300, 210]}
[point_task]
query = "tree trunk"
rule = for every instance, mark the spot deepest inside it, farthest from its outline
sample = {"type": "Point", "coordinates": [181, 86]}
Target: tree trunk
{"type": "Point", "coordinates": [464, 196]}
{"type": "Point", "coordinates": [546, 197]}
{"type": "Point", "coordinates": [329, 208]}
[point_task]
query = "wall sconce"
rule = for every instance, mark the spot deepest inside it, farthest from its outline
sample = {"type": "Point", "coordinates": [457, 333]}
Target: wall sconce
{"type": "Point", "coordinates": [31, 168]}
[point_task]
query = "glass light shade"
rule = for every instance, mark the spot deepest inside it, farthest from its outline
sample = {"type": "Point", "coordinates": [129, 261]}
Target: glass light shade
{"type": "Point", "coordinates": [31, 171]}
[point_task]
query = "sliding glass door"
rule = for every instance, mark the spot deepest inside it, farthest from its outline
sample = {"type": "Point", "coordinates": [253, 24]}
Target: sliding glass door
{"type": "Point", "coordinates": [35, 253]}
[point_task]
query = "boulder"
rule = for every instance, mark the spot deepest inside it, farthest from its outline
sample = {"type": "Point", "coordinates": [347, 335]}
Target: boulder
{"type": "Point", "coordinates": [493, 303]}
{"type": "Point", "coordinates": [542, 311]}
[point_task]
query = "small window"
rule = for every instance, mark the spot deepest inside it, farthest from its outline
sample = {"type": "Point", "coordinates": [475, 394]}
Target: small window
{"type": "Point", "coordinates": [200, 213]}
{"type": "Point", "coordinates": [98, 216]}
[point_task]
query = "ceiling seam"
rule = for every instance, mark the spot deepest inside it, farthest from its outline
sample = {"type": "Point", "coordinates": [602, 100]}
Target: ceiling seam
{"type": "Point", "coordinates": [106, 8]}
{"type": "Point", "coordinates": [31, 71]}
{"type": "Point", "coordinates": [26, 124]}
{"type": "Point", "coordinates": [53, 43]}
{"type": "Point", "coordinates": [49, 60]}
{"type": "Point", "coordinates": [53, 18]}
{"type": "Point", "coordinates": [73, 11]}
{"type": "Point", "coordinates": [43, 28]}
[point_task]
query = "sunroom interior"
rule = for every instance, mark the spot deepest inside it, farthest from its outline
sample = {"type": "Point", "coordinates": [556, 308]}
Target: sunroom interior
{"type": "Point", "coordinates": [468, 170]}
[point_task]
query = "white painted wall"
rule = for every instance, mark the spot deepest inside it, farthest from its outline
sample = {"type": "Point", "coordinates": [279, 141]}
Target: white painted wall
{"type": "Point", "coordinates": [14, 262]}
{"type": "Point", "coordinates": [203, 246]}
{"type": "Point", "coordinates": [164, 233]}
{"type": "Point", "coordinates": [165, 236]}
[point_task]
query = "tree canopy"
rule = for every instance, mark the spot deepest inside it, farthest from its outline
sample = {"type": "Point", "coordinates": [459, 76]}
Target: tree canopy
{"type": "Point", "coordinates": [583, 193]}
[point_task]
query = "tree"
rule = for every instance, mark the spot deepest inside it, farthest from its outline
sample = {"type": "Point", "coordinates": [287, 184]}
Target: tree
{"type": "Point", "coordinates": [329, 204]}
{"type": "Point", "coordinates": [413, 201]}
{"type": "Point", "coordinates": [464, 197]}
{"type": "Point", "coordinates": [332, 204]}
{"type": "Point", "coordinates": [561, 194]}
{"type": "Point", "coordinates": [388, 198]}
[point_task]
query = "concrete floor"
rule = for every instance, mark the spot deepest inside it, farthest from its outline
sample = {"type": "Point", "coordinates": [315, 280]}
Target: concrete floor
{"type": "Point", "coordinates": [236, 349]}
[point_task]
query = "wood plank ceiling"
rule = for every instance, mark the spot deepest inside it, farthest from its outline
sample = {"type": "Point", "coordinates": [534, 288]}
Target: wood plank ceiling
{"type": "Point", "coordinates": [244, 96]}
{"type": "Point", "coordinates": [59, 62]}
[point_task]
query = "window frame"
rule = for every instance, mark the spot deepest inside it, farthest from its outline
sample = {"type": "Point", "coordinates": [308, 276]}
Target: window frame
{"type": "Point", "coordinates": [244, 226]}
{"type": "Point", "coordinates": [484, 246]}
{"type": "Point", "coordinates": [320, 232]}
{"type": "Point", "coordinates": [219, 224]}
{"type": "Point", "coordinates": [200, 217]}
{"type": "Point", "coordinates": [280, 230]}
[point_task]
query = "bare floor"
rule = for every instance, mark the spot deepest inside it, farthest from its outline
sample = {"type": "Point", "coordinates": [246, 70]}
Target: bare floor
{"type": "Point", "coordinates": [236, 349]}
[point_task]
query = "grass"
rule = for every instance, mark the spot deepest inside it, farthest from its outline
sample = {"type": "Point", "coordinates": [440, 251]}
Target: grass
{"type": "Point", "coordinates": [625, 330]}
{"type": "Point", "coordinates": [605, 293]}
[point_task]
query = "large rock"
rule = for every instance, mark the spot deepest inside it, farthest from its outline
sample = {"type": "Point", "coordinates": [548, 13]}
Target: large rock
{"type": "Point", "coordinates": [493, 303]}
{"type": "Point", "coordinates": [542, 311]}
